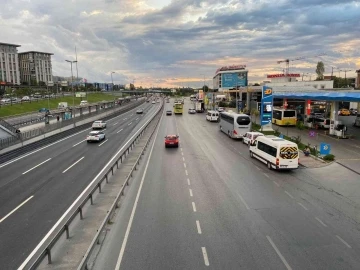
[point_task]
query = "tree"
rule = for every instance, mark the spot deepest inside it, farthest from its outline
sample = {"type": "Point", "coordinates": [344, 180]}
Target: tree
{"type": "Point", "coordinates": [256, 84]}
{"type": "Point", "coordinates": [132, 86]}
{"type": "Point", "coordinates": [205, 88]}
{"type": "Point", "coordinates": [256, 113]}
{"type": "Point", "coordinates": [320, 70]}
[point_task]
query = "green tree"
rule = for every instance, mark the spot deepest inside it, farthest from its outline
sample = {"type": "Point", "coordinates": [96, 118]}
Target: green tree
{"type": "Point", "coordinates": [205, 88]}
{"type": "Point", "coordinates": [320, 70]}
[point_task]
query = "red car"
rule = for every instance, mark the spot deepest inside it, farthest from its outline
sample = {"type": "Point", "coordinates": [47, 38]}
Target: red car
{"type": "Point", "coordinates": [172, 140]}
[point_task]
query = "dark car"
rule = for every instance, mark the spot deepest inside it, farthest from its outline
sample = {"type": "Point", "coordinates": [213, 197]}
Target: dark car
{"type": "Point", "coordinates": [168, 112]}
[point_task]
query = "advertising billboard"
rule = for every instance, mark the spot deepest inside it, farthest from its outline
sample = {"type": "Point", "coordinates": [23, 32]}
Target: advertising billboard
{"type": "Point", "coordinates": [232, 80]}
{"type": "Point", "coordinates": [266, 108]}
{"type": "Point", "coordinates": [201, 95]}
{"type": "Point", "coordinates": [80, 94]}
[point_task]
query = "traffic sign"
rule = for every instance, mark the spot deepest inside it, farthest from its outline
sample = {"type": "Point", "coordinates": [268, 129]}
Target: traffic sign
{"type": "Point", "coordinates": [325, 149]}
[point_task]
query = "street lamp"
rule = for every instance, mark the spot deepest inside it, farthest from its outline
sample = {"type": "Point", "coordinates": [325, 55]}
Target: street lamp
{"type": "Point", "coordinates": [112, 82]}
{"type": "Point", "coordinates": [72, 85]}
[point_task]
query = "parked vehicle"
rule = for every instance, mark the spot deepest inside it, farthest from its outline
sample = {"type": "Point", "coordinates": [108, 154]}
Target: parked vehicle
{"type": "Point", "coordinates": [62, 105]}
{"type": "Point", "coordinates": [284, 117]}
{"type": "Point", "coordinates": [275, 152]}
{"type": "Point", "coordinates": [25, 98]}
{"type": "Point", "coordinates": [84, 103]}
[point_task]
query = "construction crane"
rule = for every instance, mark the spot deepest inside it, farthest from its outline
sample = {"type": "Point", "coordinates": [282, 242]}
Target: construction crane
{"type": "Point", "coordinates": [287, 61]}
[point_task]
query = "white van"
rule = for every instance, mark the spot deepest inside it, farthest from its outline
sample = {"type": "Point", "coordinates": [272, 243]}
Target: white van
{"type": "Point", "coordinates": [212, 116]}
{"type": "Point", "coordinates": [62, 105]}
{"type": "Point", "coordinates": [276, 152]}
{"type": "Point", "coordinates": [250, 137]}
{"type": "Point", "coordinates": [83, 103]}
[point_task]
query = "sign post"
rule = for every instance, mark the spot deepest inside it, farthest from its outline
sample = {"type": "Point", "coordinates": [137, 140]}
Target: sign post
{"type": "Point", "coordinates": [266, 109]}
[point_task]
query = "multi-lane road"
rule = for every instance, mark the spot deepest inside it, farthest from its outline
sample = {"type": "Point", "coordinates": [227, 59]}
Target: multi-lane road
{"type": "Point", "coordinates": [208, 205]}
{"type": "Point", "coordinates": [36, 189]}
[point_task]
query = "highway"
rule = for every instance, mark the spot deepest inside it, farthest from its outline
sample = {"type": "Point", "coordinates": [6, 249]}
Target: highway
{"type": "Point", "coordinates": [208, 205]}
{"type": "Point", "coordinates": [35, 190]}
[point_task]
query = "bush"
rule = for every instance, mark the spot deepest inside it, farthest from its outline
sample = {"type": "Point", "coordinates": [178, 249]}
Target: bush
{"type": "Point", "coordinates": [300, 125]}
{"type": "Point", "coordinates": [329, 157]}
{"type": "Point", "coordinates": [223, 104]}
{"type": "Point", "coordinates": [232, 104]}
{"type": "Point", "coordinates": [277, 132]}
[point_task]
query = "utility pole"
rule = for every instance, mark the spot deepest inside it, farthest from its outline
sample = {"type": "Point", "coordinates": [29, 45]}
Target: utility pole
{"type": "Point", "coordinates": [72, 87]}
{"type": "Point", "coordinates": [77, 72]}
{"type": "Point", "coordinates": [112, 82]}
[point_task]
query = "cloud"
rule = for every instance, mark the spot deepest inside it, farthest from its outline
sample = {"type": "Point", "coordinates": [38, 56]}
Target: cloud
{"type": "Point", "coordinates": [173, 42]}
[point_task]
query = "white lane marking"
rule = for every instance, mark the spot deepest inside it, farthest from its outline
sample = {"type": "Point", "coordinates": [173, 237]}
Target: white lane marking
{"type": "Point", "coordinates": [103, 142]}
{"type": "Point", "coordinates": [287, 193]}
{"type": "Point", "coordinates": [188, 180]}
{"type": "Point", "coordinates": [267, 175]}
{"type": "Point", "coordinates": [194, 206]}
{"type": "Point", "coordinates": [183, 159]}
{"type": "Point", "coordinates": [186, 172]}
{"type": "Point", "coordinates": [343, 241]}
{"type": "Point", "coordinates": [36, 249]}
{"type": "Point", "coordinates": [126, 236]}
{"type": "Point", "coordinates": [182, 153]}
{"type": "Point", "coordinates": [73, 165]}
{"type": "Point", "coordinates": [79, 143]}
{"type": "Point", "coordinates": [191, 194]}
{"type": "Point", "coordinates": [279, 253]}
{"type": "Point", "coordinates": [28, 199]}
{"type": "Point", "coordinates": [37, 166]}
{"type": "Point", "coordinates": [136, 119]}
{"type": "Point", "coordinates": [33, 152]}
{"type": "Point", "coordinates": [181, 149]}
{"type": "Point", "coordinates": [125, 119]}
{"type": "Point", "coordinates": [276, 183]}
{"type": "Point", "coordinates": [115, 123]}
{"type": "Point", "coordinates": [129, 123]}
{"type": "Point", "coordinates": [119, 131]}
{"type": "Point", "coordinates": [184, 165]}
{"type": "Point", "coordinates": [303, 206]}
{"type": "Point", "coordinates": [206, 259]}
{"type": "Point", "coordinates": [243, 201]}
{"type": "Point", "coordinates": [320, 221]}
{"type": "Point", "coordinates": [257, 168]}
{"type": "Point", "coordinates": [198, 227]}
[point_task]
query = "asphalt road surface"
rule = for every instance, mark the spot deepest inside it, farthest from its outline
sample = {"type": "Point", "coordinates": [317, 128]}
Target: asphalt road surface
{"type": "Point", "coordinates": [37, 189]}
{"type": "Point", "coordinates": [208, 205]}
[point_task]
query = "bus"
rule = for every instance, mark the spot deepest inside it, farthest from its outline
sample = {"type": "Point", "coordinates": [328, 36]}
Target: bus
{"type": "Point", "coordinates": [275, 152]}
{"type": "Point", "coordinates": [178, 108]}
{"type": "Point", "coordinates": [284, 117]}
{"type": "Point", "coordinates": [212, 116]}
{"type": "Point", "coordinates": [235, 125]}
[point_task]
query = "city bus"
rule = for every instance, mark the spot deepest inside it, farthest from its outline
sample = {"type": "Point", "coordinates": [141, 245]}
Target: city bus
{"type": "Point", "coordinates": [178, 108]}
{"type": "Point", "coordinates": [234, 125]}
{"type": "Point", "coordinates": [284, 117]}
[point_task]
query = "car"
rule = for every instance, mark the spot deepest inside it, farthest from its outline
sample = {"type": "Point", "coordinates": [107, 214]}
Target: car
{"type": "Point", "coordinates": [95, 136]}
{"type": "Point", "coordinates": [153, 102]}
{"type": "Point", "coordinates": [84, 103]}
{"type": "Point", "coordinates": [192, 111]}
{"type": "Point", "coordinates": [220, 109]}
{"type": "Point", "coordinates": [25, 98]}
{"type": "Point", "coordinates": [168, 112]}
{"type": "Point", "coordinates": [249, 137]}
{"type": "Point", "coordinates": [98, 124]}
{"type": "Point", "coordinates": [171, 141]}
{"type": "Point", "coordinates": [139, 111]}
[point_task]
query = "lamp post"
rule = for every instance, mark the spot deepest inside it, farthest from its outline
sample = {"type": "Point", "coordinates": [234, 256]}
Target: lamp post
{"type": "Point", "coordinates": [112, 82]}
{"type": "Point", "coordinates": [72, 85]}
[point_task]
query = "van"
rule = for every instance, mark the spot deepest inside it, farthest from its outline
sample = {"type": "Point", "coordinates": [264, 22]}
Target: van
{"type": "Point", "coordinates": [249, 137]}
{"type": "Point", "coordinates": [319, 122]}
{"type": "Point", "coordinates": [63, 105]}
{"type": "Point", "coordinates": [275, 152]}
{"type": "Point", "coordinates": [212, 116]}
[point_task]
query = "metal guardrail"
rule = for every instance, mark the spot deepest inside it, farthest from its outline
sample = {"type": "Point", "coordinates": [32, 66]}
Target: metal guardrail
{"type": "Point", "coordinates": [26, 135]}
{"type": "Point", "coordinates": [63, 227]}
{"type": "Point", "coordinates": [95, 241]}
{"type": "Point", "coordinates": [8, 126]}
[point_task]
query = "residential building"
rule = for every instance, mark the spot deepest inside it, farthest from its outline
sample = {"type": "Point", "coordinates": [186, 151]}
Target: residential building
{"type": "Point", "coordinates": [35, 67]}
{"type": "Point", "coordinates": [9, 64]}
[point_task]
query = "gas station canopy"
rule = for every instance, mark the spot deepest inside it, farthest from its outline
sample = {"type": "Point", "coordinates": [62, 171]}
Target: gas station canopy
{"type": "Point", "coordinates": [353, 96]}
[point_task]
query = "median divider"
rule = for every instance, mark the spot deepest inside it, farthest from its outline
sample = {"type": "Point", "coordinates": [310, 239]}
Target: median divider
{"type": "Point", "coordinates": [45, 246]}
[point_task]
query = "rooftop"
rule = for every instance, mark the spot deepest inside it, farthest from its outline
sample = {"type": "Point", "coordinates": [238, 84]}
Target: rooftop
{"type": "Point", "coordinates": [36, 52]}
{"type": "Point", "coordinates": [9, 44]}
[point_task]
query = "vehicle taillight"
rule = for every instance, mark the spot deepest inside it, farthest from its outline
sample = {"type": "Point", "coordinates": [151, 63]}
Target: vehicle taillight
{"type": "Point", "coordinates": [277, 162]}
{"type": "Point", "coordinates": [235, 132]}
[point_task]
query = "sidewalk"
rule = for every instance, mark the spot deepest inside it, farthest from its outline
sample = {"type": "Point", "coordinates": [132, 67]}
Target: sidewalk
{"type": "Point", "coordinates": [311, 161]}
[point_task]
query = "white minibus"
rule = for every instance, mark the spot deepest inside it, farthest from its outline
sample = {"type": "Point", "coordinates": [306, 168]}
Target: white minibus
{"type": "Point", "coordinates": [212, 116]}
{"type": "Point", "coordinates": [275, 152]}
{"type": "Point", "coordinates": [235, 125]}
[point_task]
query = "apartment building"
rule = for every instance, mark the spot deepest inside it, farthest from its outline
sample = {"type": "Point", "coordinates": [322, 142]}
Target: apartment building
{"type": "Point", "coordinates": [9, 64]}
{"type": "Point", "coordinates": [35, 67]}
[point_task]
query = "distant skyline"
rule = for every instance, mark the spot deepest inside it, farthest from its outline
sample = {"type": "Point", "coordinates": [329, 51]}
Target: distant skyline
{"type": "Point", "coordinates": [174, 43]}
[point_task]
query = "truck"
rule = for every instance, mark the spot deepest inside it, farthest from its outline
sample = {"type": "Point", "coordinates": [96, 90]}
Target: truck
{"type": "Point", "coordinates": [63, 105]}
{"type": "Point", "coordinates": [200, 106]}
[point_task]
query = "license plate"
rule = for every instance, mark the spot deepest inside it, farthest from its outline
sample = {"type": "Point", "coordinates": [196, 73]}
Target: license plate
{"type": "Point", "coordinates": [171, 143]}
{"type": "Point", "coordinates": [283, 166]}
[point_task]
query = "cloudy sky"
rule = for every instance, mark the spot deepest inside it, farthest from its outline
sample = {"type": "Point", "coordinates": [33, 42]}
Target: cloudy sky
{"type": "Point", "coordinates": [178, 42]}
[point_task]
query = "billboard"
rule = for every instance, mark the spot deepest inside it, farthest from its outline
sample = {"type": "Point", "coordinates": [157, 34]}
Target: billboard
{"type": "Point", "coordinates": [201, 95]}
{"type": "Point", "coordinates": [266, 108]}
{"type": "Point", "coordinates": [232, 80]}
{"type": "Point", "coordinates": [80, 94]}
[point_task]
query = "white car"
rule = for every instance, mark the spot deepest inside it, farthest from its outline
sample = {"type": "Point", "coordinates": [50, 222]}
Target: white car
{"type": "Point", "coordinates": [84, 103]}
{"type": "Point", "coordinates": [153, 102]}
{"type": "Point", "coordinates": [99, 124]}
{"type": "Point", "coordinates": [95, 136]}
{"type": "Point", "coordinates": [25, 98]}
{"type": "Point", "coordinates": [249, 137]}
